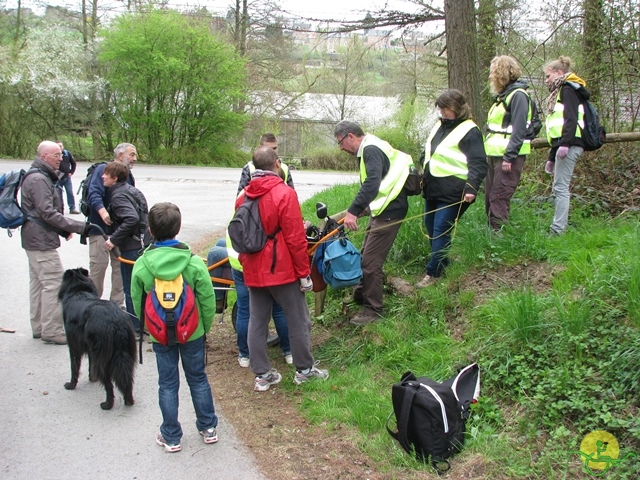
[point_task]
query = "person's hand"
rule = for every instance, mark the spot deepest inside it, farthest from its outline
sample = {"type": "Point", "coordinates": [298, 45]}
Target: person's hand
{"type": "Point", "coordinates": [306, 285]}
{"type": "Point", "coordinates": [562, 152]}
{"type": "Point", "coordinates": [109, 244]}
{"type": "Point", "coordinates": [350, 221]}
{"type": "Point", "coordinates": [69, 237]}
{"type": "Point", "coordinates": [548, 168]}
{"type": "Point", "coordinates": [469, 197]}
{"type": "Point", "coordinates": [506, 166]}
{"type": "Point", "coordinates": [104, 215]}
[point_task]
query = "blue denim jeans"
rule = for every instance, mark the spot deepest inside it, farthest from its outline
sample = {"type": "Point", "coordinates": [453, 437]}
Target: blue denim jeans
{"type": "Point", "coordinates": [125, 271]}
{"type": "Point", "coordinates": [68, 186]}
{"type": "Point", "coordinates": [217, 253]}
{"type": "Point", "coordinates": [167, 357]}
{"type": "Point", "coordinates": [242, 318]}
{"type": "Point", "coordinates": [439, 225]}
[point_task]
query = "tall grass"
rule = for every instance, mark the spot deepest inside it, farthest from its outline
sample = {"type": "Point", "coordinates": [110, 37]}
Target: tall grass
{"type": "Point", "coordinates": [558, 352]}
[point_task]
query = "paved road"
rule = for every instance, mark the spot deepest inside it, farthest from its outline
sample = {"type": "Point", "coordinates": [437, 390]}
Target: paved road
{"type": "Point", "coordinates": [51, 433]}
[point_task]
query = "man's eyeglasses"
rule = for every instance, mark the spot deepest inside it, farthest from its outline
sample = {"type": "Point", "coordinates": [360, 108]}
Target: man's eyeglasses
{"type": "Point", "coordinates": [342, 139]}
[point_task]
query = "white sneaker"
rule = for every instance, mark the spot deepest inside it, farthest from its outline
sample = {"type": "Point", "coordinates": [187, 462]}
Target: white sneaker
{"type": "Point", "coordinates": [288, 358]}
{"type": "Point", "coordinates": [263, 382]}
{"type": "Point", "coordinates": [244, 362]}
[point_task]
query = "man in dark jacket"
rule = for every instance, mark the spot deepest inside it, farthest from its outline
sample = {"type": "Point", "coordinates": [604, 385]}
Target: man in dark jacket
{"type": "Point", "coordinates": [99, 198]}
{"type": "Point", "coordinates": [268, 140]}
{"type": "Point", "coordinates": [279, 272]}
{"type": "Point", "coordinates": [383, 173]}
{"type": "Point", "coordinates": [67, 169]}
{"type": "Point", "coordinates": [40, 236]}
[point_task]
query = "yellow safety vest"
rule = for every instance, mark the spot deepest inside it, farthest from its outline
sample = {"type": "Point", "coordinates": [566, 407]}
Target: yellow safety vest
{"type": "Point", "coordinates": [393, 182]}
{"type": "Point", "coordinates": [498, 135]}
{"type": "Point", "coordinates": [555, 121]}
{"type": "Point", "coordinates": [234, 261]}
{"type": "Point", "coordinates": [447, 160]}
{"type": "Point", "coordinates": [285, 169]}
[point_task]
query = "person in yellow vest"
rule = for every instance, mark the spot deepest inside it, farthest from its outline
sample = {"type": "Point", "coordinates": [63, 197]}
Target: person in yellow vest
{"type": "Point", "coordinates": [268, 140]}
{"type": "Point", "coordinates": [506, 143]}
{"type": "Point", "coordinates": [565, 120]}
{"type": "Point", "coordinates": [383, 173]}
{"type": "Point", "coordinates": [454, 164]}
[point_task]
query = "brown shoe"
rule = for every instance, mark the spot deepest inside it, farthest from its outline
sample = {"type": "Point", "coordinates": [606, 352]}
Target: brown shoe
{"type": "Point", "coordinates": [363, 319]}
{"type": "Point", "coordinates": [57, 340]}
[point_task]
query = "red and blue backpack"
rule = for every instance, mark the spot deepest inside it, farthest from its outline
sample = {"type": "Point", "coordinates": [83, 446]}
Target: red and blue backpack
{"type": "Point", "coordinates": [170, 311]}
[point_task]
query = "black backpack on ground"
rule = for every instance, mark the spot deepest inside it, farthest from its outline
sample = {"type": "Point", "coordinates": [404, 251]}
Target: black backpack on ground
{"type": "Point", "coordinates": [83, 189]}
{"type": "Point", "coordinates": [431, 416]}
{"type": "Point", "coordinates": [593, 133]}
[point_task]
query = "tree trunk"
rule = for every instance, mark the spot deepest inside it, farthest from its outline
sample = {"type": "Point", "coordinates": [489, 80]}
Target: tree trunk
{"type": "Point", "coordinates": [487, 43]}
{"type": "Point", "coordinates": [462, 53]}
{"type": "Point", "coordinates": [593, 47]}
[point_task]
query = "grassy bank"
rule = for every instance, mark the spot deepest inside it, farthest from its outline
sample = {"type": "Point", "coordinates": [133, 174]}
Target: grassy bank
{"type": "Point", "coordinates": [552, 321]}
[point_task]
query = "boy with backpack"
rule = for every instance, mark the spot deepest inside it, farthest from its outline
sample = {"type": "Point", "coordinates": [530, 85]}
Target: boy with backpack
{"type": "Point", "coordinates": [166, 263]}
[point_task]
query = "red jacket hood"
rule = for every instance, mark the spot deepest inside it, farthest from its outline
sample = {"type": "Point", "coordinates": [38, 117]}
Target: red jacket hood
{"type": "Point", "coordinates": [261, 183]}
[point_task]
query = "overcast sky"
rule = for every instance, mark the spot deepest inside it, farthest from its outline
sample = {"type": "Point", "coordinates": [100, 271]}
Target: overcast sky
{"type": "Point", "coordinates": [336, 9]}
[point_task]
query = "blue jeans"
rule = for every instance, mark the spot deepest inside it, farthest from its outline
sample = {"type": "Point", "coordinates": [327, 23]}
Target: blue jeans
{"type": "Point", "coordinates": [68, 186]}
{"type": "Point", "coordinates": [167, 357]}
{"type": "Point", "coordinates": [125, 271]}
{"type": "Point", "coordinates": [217, 253]}
{"type": "Point", "coordinates": [440, 227]}
{"type": "Point", "coordinates": [242, 318]}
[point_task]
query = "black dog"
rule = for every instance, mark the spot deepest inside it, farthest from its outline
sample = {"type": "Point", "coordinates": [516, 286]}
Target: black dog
{"type": "Point", "coordinates": [100, 329]}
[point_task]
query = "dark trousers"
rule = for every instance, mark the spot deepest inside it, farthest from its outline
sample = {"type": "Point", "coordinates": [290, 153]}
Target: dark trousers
{"type": "Point", "coordinates": [378, 240]}
{"type": "Point", "coordinates": [500, 187]}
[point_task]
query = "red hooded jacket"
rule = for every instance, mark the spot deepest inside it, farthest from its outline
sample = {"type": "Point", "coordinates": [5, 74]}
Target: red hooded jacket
{"type": "Point", "coordinates": [279, 206]}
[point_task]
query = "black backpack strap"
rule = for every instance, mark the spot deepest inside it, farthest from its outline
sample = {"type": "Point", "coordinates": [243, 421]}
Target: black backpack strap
{"type": "Point", "coordinates": [402, 422]}
{"type": "Point", "coordinates": [275, 243]}
{"type": "Point", "coordinates": [142, 317]}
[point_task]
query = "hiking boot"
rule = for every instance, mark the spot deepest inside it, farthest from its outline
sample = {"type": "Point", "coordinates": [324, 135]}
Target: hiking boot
{"type": "Point", "coordinates": [363, 319]}
{"type": "Point", "coordinates": [288, 358]}
{"type": "Point", "coordinates": [73, 211]}
{"type": "Point", "coordinates": [168, 447]}
{"type": "Point", "coordinates": [57, 340]}
{"type": "Point", "coordinates": [264, 381]}
{"type": "Point", "coordinates": [302, 376]}
{"type": "Point", "coordinates": [244, 362]}
{"type": "Point", "coordinates": [210, 435]}
{"type": "Point", "coordinates": [427, 281]}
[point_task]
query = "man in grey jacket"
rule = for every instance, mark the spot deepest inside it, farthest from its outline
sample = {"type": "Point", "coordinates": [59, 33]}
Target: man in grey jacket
{"type": "Point", "coordinates": [40, 236]}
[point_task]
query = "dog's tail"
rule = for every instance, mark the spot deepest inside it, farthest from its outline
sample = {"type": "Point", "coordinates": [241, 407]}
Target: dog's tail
{"type": "Point", "coordinates": [122, 370]}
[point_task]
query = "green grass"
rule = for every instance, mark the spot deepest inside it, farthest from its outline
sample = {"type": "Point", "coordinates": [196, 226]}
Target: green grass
{"type": "Point", "coordinates": [558, 343]}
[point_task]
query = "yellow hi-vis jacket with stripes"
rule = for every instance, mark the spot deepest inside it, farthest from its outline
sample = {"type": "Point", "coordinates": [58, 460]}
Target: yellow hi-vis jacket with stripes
{"type": "Point", "coordinates": [393, 182]}
{"type": "Point", "coordinates": [555, 121]}
{"type": "Point", "coordinates": [498, 135]}
{"type": "Point", "coordinates": [447, 160]}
